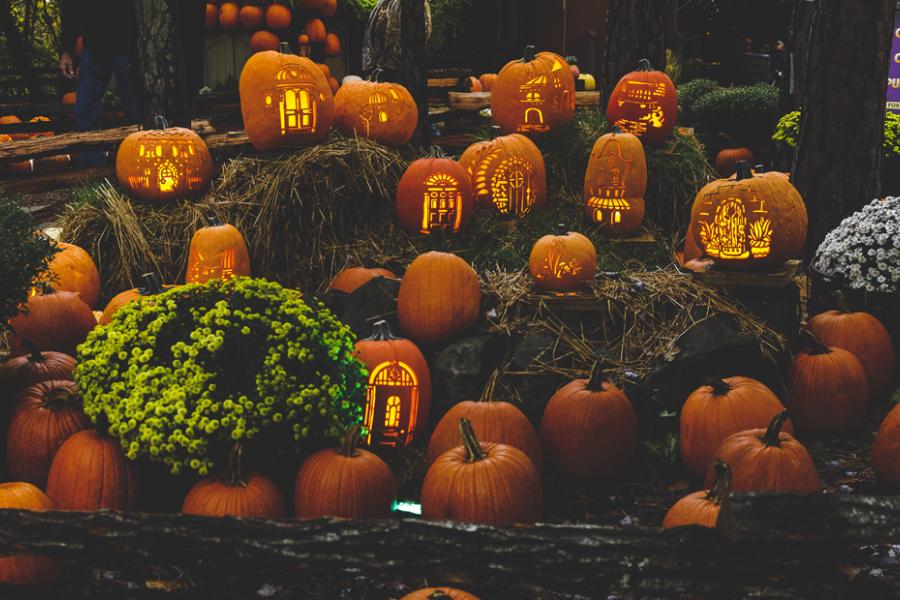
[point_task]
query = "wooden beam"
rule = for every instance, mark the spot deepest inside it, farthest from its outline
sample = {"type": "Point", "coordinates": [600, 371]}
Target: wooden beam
{"type": "Point", "coordinates": [31, 184]}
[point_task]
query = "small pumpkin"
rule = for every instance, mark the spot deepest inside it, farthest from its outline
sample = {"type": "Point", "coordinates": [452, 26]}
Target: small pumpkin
{"type": "Point", "coordinates": [886, 450]}
{"type": "Point", "coordinates": [482, 482]}
{"type": "Point", "coordinates": [714, 411]}
{"type": "Point", "coordinates": [767, 460]}
{"type": "Point", "coordinates": [351, 279]}
{"type": "Point", "coordinates": [827, 389]}
{"type": "Point", "coordinates": [90, 472]}
{"type": "Point", "coordinates": [334, 85]}
{"type": "Point", "coordinates": [230, 16]}
{"type": "Point", "coordinates": [863, 335]}
{"type": "Point", "coordinates": [728, 158]}
{"type": "Point", "coordinates": [57, 321]}
{"type": "Point", "coordinates": [589, 429]}
{"type": "Point", "coordinates": [439, 593]}
{"type": "Point", "coordinates": [702, 508]}
{"type": "Point", "coordinates": [252, 17]}
{"type": "Point", "coordinates": [264, 40]}
{"type": "Point", "coordinates": [562, 262]}
{"type": "Point", "coordinates": [166, 163]}
{"type": "Point", "coordinates": [434, 194]}
{"type": "Point", "coordinates": [384, 112]}
{"type": "Point", "coordinates": [43, 417]}
{"type": "Point", "coordinates": [487, 81]}
{"type": "Point", "coordinates": [315, 29]}
{"type": "Point", "coordinates": [588, 81]}
{"type": "Point", "coordinates": [212, 17]}
{"type": "Point", "coordinates": [472, 85]}
{"type": "Point", "coordinates": [73, 270]}
{"type": "Point", "coordinates": [151, 287]}
{"type": "Point", "coordinates": [278, 16]}
{"type": "Point", "coordinates": [332, 45]}
{"type": "Point", "coordinates": [348, 482]}
{"type": "Point", "coordinates": [439, 298]}
{"type": "Point", "coordinates": [217, 251]}
{"type": "Point", "coordinates": [303, 40]}
{"type": "Point", "coordinates": [534, 95]}
{"type": "Point", "coordinates": [644, 103]}
{"type": "Point", "coordinates": [22, 569]}
{"type": "Point", "coordinates": [36, 366]}
{"type": "Point", "coordinates": [68, 98]}
{"type": "Point", "coordinates": [615, 182]}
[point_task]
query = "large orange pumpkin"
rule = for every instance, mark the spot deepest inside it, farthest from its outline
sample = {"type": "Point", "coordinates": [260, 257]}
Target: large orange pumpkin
{"type": "Point", "coordinates": [434, 194]}
{"type": "Point", "coordinates": [166, 163]}
{"type": "Point", "coordinates": [278, 16]}
{"type": "Point", "coordinates": [351, 279]}
{"type": "Point", "coordinates": [21, 569]}
{"type": "Point", "coordinates": [728, 158]}
{"type": "Point", "coordinates": [482, 482]}
{"type": "Point", "coordinates": [715, 411]}
{"type": "Point", "coordinates": [43, 417]}
{"type": "Point", "coordinates": [439, 593]}
{"type": "Point", "coordinates": [90, 472]}
{"type": "Point", "coordinates": [589, 429]}
{"type": "Point", "coordinates": [644, 103]}
{"type": "Point", "coordinates": [384, 112]}
{"type": "Point", "coordinates": [440, 297]}
{"type": "Point", "coordinates": [217, 251]}
{"type": "Point", "coordinates": [285, 100]}
{"type": "Point", "coordinates": [534, 95]}
{"type": "Point", "coordinates": [151, 287]}
{"type": "Point", "coordinates": [702, 508]}
{"type": "Point", "coordinates": [252, 17]}
{"type": "Point", "coordinates": [562, 262]}
{"type": "Point", "coordinates": [886, 450]}
{"type": "Point", "coordinates": [507, 172]}
{"type": "Point", "coordinates": [615, 182]}
{"type": "Point", "coordinates": [750, 220]}
{"type": "Point", "coordinates": [73, 270]}
{"type": "Point", "coordinates": [348, 482]}
{"type": "Point", "coordinates": [18, 373]}
{"type": "Point", "coordinates": [767, 460]}
{"type": "Point", "coordinates": [56, 321]}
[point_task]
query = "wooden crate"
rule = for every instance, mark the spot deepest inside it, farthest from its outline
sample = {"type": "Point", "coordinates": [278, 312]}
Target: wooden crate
{"type": "Point", "coordinates": [479, 100]}
{"type": "Point", "coordinates": [775, 277]}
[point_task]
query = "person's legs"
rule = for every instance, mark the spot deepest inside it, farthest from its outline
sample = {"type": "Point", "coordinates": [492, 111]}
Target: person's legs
{"type": "Point", "coordinates": [125, 86]}
{"type": "Point", "coordinates": [93, 77]}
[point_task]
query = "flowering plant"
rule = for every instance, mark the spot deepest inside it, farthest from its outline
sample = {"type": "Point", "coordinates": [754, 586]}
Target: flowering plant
{"type": "Point", "coordinates": [788, 129]}
{"type": "Point", "coordinates": [184, 374]}
{"type": "Point", "coordinates": [864, 250]}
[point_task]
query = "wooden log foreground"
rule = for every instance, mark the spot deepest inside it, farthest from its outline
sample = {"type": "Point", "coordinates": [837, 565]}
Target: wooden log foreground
{"type": "Point", "coordinates": [784, 546]}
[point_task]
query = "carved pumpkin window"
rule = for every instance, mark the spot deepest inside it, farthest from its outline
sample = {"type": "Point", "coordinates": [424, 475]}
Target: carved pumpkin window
{"type": "Point", "coordinates": [434, 193]}
{"type": "Point", "coordinates": [644, 103]}
{"type": "Point", "coordinates": [217, 252]}
{"type": "Point", "coordinates": [384, 112]}
{"type": "Point", "coordinates": [615, 182]}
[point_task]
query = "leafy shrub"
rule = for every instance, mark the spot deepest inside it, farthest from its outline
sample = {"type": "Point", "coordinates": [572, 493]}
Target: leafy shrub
{"type": "Point", "coordinates": [788, 129]}
{"type": "Point", "coordinates": [24, 254]}
{"type": "Point", "coordinates": [181, 377]}
{"type": "Point", "coordinates": [743, 113]}
{"type": "Point", "coordinates": [689, 93]}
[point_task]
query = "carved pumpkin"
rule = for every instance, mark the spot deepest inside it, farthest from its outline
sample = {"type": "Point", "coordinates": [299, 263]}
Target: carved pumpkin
{"type": "Point", "coordinates": [264, 40]}
{"type": "Point", "coordinates": [151, 287]}
{"type": "Point", "coordinates": [702, 508]}
{"type": "Point", "coordinates": [18, 373]}
{"type": "Point", "coordinates": [715, 411]}
{"type": "Point", "coordinates": [886, 450]}
{"type": "Point", "coordinates": [398, 393]}
{"type": "Point", "coordinates": [278, 16]}
{"type": "Point", "coordinates": [728, 158]}
{"type": "Point", "coordinates": [315, 29]}
{"type": "Point", "coordinates": [217, 251]}
{"type": "Point", "coordinates": [285, 100]}
{"type": "Point", "coordinates": [828, 393]}
{"type": "Point", "coordinates": [56, 321]}
{"type": "Point", "coordinates": [493, 421]}
{"type": "Point", "coordinates": [534, 95]}
{"type": "Point", "coordinates": [43, 417]}
{"type": "Point", "coordinates": [345, 482]}
{"type": "Point", "coordinates": [615, 182]}
{"type": "Point", "coordinates": [351, 279]}
{"type": "Point", "coordinates": [644, 103]}
{"type": "Point", "coordinates": [166, 163]}
{"type": "Point", "coordinates": [439, 593]}
{"type": "Point", "coordinates": [90, 472]}
{"type": "Point", "coordinates": [767, 460]}
{"type": "Point", "coordinates": [507, 172]}
{"type": "Point", "coordinates": [589, 429]}
{"type": "Point", "coordinates": [332, 45]}
{"type": "Point", "coordinates": [562, 262]}
{"type": "Point", "coordinates": [235, 494]}
{"type": "Point", "coordinates": [21, 569]}
{"type": "Point", "coordinates": [863, 335]}
{"type": "Point", "coordinates": [212, 16]}
{"type": "Point", "coordinates": [252, 17]}
{"type": "Point", "coordinates": [439, 298]}
{"type": "Point", "coordinates": [384, 112]}
{"type": "Point", "coordinates": [229, 16]}
{"type": "Point", "coordinates": [73, 270]}
{"type": "Point", "coordinates": [434, 194]}
{"type": "Point", "coordinates": [487, 81]}
{"type": "Point", "coordinates": [482, 482]}
{"type": "Point", "coordinates": [750, 220]}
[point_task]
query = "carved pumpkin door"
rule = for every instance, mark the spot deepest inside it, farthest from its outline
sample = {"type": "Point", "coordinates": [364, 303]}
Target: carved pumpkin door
{"type": "Point", "coordinates": [392, 402]}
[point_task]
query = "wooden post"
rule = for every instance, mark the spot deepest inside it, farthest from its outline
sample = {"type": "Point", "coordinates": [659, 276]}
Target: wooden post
{"type": "Point", "coordinates": [635, 29]}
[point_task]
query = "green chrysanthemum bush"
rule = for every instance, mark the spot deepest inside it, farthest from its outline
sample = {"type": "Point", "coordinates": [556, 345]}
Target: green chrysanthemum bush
{"type": "Point", "coordinates": [183, 375]}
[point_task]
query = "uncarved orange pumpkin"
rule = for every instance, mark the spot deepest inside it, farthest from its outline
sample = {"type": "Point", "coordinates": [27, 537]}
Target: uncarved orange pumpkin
{"type": "Point", "coordinates": [701, 508]}
{"type": "Point", "coordinates": [212, 16]}
{"type": "Point", "coordinates": [56, 321]}
{"type": "Point", "coordinates": [315, 29]}
{"type": "Point", "coordinates": [645, 103]}
{"type": "Point", "coordinates": [229, 16]}
{"type": "Point", "coordinates": [562, 262]}
{"type": "Point", "coordinates": [384, 112]}
{"type": "Point", "coordinates": [25, 569]}
{"type": "Point", "coordinates": [886, 450]}
{"type": "Point", "coordinates": [352, 278]}
{"type": "Point", "coordinates": [615, 183]}
{"type": "Point", "coordinates": [472, 85]}
{"type": "Point", "coordinates": [73, 270]}
{"type": "Point", "coordinates": [151, 287]}
{"type": "Point", "coordinates": [252, 17]}
{"type": "Point", "coordinates": [264, 40]}
{"type": "Point", "coordinates": [217, 251]}
{"type": "Point", "coordinates": [329, 8]}
{"type": "Point", "coordinates": [18, 373]}
{"type": "Point", "coordinates": [332, 45]}
{"type": "Point", "coordinates": [90, 472]}
{"type": "Point", "coordinates": [278, 16]}
{"type": "Point", "coordinates": [728, 158]}
{"type": "Point", "coordinates": [434, 194]}
{"type": "Point", "coordinates": [487, 81]}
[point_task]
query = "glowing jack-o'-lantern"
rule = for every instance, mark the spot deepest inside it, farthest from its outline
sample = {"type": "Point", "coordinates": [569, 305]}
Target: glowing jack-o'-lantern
{"type": "Point", "coordinates": [217, 252]}
{"type": "Point", "coordinates": [506, 172]}
{"type": "Point", "coordinates": [384, 112]}
{"type": "Point", "coordinates": [562, 262]}
{"type": "Point", "coordinates": [398, 393]}
{"type": "Point", "coordinates": [166, 163]}
{"type": "Point", "coordinates": [534, 95]}
{"type": "Point", "coordinates": [433, 194]}
{"type": "Point", "coordinates": [749, 220]}
{"type": "Point", "coordinates": [285, 100]}
{"type": "Point", "coordinates": [615, 182]}
{"type": "Point", "coordinates": [644, 103]}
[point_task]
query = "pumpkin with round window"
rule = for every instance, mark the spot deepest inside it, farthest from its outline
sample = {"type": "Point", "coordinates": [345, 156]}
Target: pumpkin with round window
{"type": "Point", "coordinates": [644, 103]}
{"type": "Point", "coordinates": [434, 194]}
{"type": "Point", "coordinates": [381, 111]}
{"type": "Point", "coordinates": [615, 182]}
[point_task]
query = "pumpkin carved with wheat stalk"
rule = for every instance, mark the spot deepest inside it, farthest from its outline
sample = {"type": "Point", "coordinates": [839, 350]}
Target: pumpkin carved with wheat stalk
{"type": "Point", "coordinates": [562, 262]}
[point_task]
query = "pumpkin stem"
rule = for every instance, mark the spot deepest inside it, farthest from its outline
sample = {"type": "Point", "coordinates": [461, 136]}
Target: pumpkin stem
{"type": "Point", "coordinates": [376, 75]}
{"type": "Point", "coordinates": [742, 170]}
{"type": "Point", "coordinates": [722, 486]}
{"type": "Point", "coordinates": [760, 168]}
{"type": "Point", "coordinates": [436, 152]}
{"type": "Point", "coordinates": [348, 444]}
{"type": "Point", "coordinates": [843, 307]}
{"type": "Point", "coordinates": [214, 221]}
{"type": "Point", "coordinates": [381, 332]}
{"type": "Point", "coordinates": [561, 229]}
{"type": "Point", "coordinates": [36, 355]}
{"type": "Point", "coordinates": [160, 122]}
{"type": "Point", "coordinates": [494, 132]}
{"type": "Point", "coordinates": [234, 471]}
{"type": "Point", "coordinates": [152, 285]}
{"type": "Point", "coordinates": [530, 51]}
{"type": "Point", "coordinates": [720, 387]}
{"type": "Point", "coordinates": [813, 343]}
{"type": "Point", "coordinates": [645, 65]}
{"type": "Point", "coordinates": [474, 452]}
{"type": "Point", "coordinates": [615, 130]}
{"type": "Point", "coordinates": [57, 397]}
{"type": "Point", "coordinates": [770, 438]}
{"type": "Point", "coordinates": [598, 377]}
{"type": "Point", "coordinates": [284, 48]}
{"type": "Point", "coordinates": [439, 595]}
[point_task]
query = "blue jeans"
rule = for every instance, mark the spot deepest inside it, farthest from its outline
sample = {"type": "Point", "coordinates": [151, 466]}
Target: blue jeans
{"type": "Point", "coordinates": [93, 79]}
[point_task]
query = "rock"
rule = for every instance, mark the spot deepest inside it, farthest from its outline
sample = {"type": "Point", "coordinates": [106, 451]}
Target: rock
{"type": "Point", "coordinates": [535, 391]}
{"type": "Point", "coordinates": [461, 370]}
{"type": "Point", "coordinates": [372, 302]}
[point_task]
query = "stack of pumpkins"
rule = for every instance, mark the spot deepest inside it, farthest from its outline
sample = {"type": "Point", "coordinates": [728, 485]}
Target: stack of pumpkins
{"type": "Point", "coordinates": [46, 164]}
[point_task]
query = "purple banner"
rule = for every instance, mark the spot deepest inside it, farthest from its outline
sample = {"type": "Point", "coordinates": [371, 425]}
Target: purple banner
{"type": "Point", "coordinates": [893, 87]}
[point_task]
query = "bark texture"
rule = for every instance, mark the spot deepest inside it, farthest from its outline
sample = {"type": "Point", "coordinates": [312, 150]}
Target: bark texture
{"type": "Point", "coordinates": [837, 163]}
{"type": "Point", "coordinates": [635, 29]}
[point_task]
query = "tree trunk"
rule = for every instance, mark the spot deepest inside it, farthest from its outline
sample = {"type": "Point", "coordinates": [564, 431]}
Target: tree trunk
{"type": "Point", "coordinates": [635, 29]}
{"type": "Point", "coordinates": [166, 63]}
{"type": "Point", "coordinates": [837, 163]}
{"type": "Point", "coordinates": [798, 46]}
{"type": "Point", "coordinates": [413, 64]}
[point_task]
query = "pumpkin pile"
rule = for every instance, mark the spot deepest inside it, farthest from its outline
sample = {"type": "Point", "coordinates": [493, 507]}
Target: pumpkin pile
{"type": "Point", "coordinates": [46, 164]}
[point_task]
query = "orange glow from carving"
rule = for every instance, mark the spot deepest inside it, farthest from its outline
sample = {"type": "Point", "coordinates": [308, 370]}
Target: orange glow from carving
{"type": "Point", "coordinates": [166, 165]}
{"type": "Point", "coordinates": [512, 187]}
{"type": "Point", "coordinates": [731, 236]}
{"type": "Point", "coordinates": [534, 95]}
{"type": "Point", "coordinates": [644, 96]}
{"type": "Point", "coordinates": [208, 268]}
{"type": "Point", "coordinates": [442, 207]}
{"type": "Point", "coordinates": [557, 264]}
{"type": "Point", "coordinates": [297, 106]}
{"type": "Point", "coordinates": [392, 398]}
{"type": "Point", "coordinates": [610, 200]}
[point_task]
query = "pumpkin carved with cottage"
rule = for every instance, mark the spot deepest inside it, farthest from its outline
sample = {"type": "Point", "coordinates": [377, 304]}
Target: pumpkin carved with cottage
{"type": "Point", "coordinates": [615, 182]}
{"type": "Point", "coordinates": [381, 111]}
{"type": "Point", "coordinates": [217, 252]}
{"type": "Point", "coordinates": [644, 103]}
{"type": "Point", "coordinates": [434, 194]}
